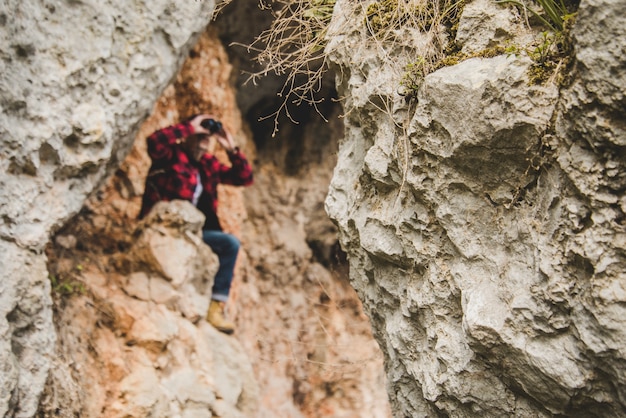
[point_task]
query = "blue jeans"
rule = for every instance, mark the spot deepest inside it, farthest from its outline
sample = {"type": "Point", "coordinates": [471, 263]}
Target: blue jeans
{"type": "Point", "coordinates": [226, 247]}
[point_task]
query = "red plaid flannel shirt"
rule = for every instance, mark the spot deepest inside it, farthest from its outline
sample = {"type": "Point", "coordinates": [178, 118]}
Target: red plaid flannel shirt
{"type": "Point", "coordinates": [173, 175]}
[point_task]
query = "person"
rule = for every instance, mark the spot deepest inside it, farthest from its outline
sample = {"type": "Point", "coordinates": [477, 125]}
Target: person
{"type": "Point", "coordinates": [183, 169]}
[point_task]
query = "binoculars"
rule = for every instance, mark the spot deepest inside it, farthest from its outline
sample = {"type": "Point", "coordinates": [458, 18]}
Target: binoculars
{"type": "Point", "coordinates": [212, 125]}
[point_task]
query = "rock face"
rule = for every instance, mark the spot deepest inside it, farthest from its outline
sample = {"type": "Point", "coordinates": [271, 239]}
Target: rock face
{"type": "Point", "coordinates": [485, 226]}
{"type": "Point", "coordinates": [71, 104]}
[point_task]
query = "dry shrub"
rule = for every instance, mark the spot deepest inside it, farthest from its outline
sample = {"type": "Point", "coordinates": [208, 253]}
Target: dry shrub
{"type": "Point", "coordinates": [294, 47]}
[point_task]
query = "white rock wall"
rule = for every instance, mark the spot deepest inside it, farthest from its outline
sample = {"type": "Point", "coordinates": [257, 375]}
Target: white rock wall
{"type": "Point", "coordinates": [76, 79]}
{"type": "Point", "coordinates": [486, 225]}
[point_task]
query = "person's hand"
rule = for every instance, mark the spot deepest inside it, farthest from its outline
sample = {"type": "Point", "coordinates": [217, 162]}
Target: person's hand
{"type": "Point", "coordinates": [196, 124]}
{"type": "Point", "coordinates": [225, 140]}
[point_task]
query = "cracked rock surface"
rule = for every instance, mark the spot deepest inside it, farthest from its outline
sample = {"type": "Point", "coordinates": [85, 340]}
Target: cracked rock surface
{"type": "Point", "coordinates": [485, 224]}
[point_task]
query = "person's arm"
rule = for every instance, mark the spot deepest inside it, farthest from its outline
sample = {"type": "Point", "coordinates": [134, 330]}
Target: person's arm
{"type": "Point", "coordinates": [225, 139]}
{"type": "Point", "coordinates": [240, 171]}
{"type": "Point", "coordinates": [161, 142]}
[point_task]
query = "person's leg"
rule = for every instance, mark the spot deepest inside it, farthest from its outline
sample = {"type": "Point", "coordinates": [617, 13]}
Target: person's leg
{"type": "Point", "coordinates": [226, 246]}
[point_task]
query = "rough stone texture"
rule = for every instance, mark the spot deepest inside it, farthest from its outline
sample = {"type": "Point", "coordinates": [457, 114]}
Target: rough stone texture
{"type": "Point", "coordinates": [71, 104]}
{"type": "Point", "coordinates": [76, 78]}
{"type": "Point", "coordinates": [134, 344]}
{"type": "Point", "coordinates": [485, 226]}
{"type": "Point", "coordinates": [172, 247]}
{"type": "Point", "coordinates": [484, 26]}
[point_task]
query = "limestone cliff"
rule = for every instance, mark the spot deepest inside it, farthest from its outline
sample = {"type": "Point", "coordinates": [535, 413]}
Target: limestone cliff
{"type": "Point", "coordinates": [76, 78]}
{"type": "Point", "coordinates": [485, 225]}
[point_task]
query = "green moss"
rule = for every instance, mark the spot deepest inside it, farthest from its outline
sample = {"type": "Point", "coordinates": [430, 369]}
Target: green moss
{"type": "Point", "coordinates": [490, 52]}
{"type": "Point", "coordinates": [381, 15]}
{"type": "Point", "coordinates": [552, 52]}
{"type": "Point", "coordinates": [552, 56]}
{"type": "Point", "coordinates": [415, 72]}
{"type": "Point", "coordinates": [66, 287]}
{"type": "Point", "coordinates": [456, 58]}
{"type": "Point", "coordinates": [412, 78]}
{"type": "Point", "coordinates": [539, 74]}
{"type": "Point", "coordinates": [450, 60]}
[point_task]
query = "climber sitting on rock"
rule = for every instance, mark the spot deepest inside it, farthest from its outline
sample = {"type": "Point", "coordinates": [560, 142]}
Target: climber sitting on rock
{"type": "Point", "coordinates": [182, 169]}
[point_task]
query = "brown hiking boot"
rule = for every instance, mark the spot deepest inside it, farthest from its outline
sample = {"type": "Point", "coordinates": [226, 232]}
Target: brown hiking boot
{"type": "Point", "coordinates": [215, 317]}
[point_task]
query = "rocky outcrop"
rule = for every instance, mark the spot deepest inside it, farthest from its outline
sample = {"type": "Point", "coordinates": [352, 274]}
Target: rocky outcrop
{"type": "Point", "coordinates": [485, 225]}
{"type": "Point", "coordinates": [132, 339]}
{"type": "Point", "coordinates": [76, 78]}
